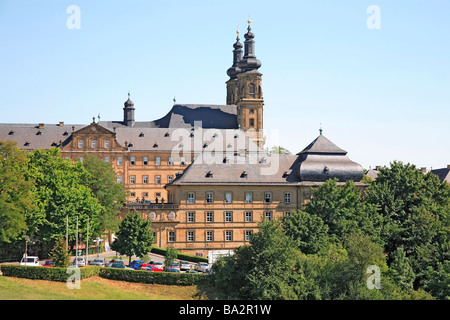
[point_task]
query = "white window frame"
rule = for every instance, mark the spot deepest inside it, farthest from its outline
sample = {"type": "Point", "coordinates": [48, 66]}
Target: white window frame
{"type": "Point", "coordinates": [209, 197]}
{"type": "Point", "coordinates": [191, 197]}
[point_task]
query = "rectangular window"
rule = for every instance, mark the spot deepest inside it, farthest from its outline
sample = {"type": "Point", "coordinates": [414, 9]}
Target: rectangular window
{"type": "Point", "coordinates": [144, 195]}
{"type": "Point", "coordinates": [80, 143]}
{"type": "Point", "coordinates": [94, 143]}
{"type": "Point", "coordinates": [119, 179]}
{"type": "Point", "coordinates": [145, 179]}
{"type": "Point", "coordinates": [145, 161]}
{"type": "Point", "coordinates": [191, 198]}
{"type": "Point", "coordinates": [119, 161]}
{"type": "Point", "coordinates": [268, 215]}
{"type": "Point", "coordinates": [182, 161]}
{"type": "Point", "coordinates": [248, 216]}
{"type": "Point", "coordinates": [106, 159]}
{"type": "Point", "coordinates": [158, 161]}
{"type": "Point", "coordinates": [169, 179]}
{"type": "Point", "coordinates": [248, 197]}
{"type": "Point", "coordinates": [209, 236]}
{"type": "Point", "coordinates": [132, 179]}
{"type": "Point", "coordinates": [81, 159]}
{"type": "Point", "coordinates": [287, 213]}
{"type": "Point", "coordinates": [229, 216]}
{"type": "Point", "coordinates": [171, 236]}
{"type": "Point", "coordinates": [133, 194]}
{"type": "Point", "coordinates": [210, 217]}
{"type": "Point", "coordinates": [190, 236]}
{"type": "Point", "coordinates": [248, 235]}
{"type": "Point", "coordinates": [228, 235]}
{"type": "Point", "coordinates": [287, 198]}
{"type": "Point", "coordinates": [132, 161]}
{"type": "Point", "coordinates": [158, 179]}
{"type": "Point", "coordinates": [170, 162]}
{"type": "Point", "coordinates": [267, 197]}
{"type": "Point", "coordinates": [191, 217]}
{"type": "Point", "coordinates": [209, 197]}
{"type": "Point", "coordinates": [252, 122]}
{"type": "Point", "coordinates": [228, 197]}
{"type": "Point", "coordinates": [106, 143]}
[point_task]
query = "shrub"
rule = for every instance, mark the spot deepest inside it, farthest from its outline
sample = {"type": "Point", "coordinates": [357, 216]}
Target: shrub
{"type": "Point", "coordinates": [45, 273]}
{"type": "Point", "coordinates": [141, 276]}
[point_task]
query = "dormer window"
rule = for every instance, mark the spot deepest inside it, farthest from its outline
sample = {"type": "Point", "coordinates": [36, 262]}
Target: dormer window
{"type": "Point", "coordinates": [27, 144]}
{"type": "Point", "coordinates": [166, 134]}
{"type": "Point", "coordinates": [209, 174]}
{"type": "Point", "coordinates": [155, 145]}
{"type": "Point", "coordinates": [11, 133]}
{"type": "Point", "coordinates": [141, 134]}
{"type": "Point", "coordinates": [244, 174]}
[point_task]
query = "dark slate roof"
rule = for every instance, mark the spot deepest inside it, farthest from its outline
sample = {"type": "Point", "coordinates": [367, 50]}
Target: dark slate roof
{"type": "Point", "coordinates": [31, 137]}
{"type": "Point", "coordinates": [183, 139]}
{"type": "Point", "coordinates": [304, 169]}
{"type": "Point", "coordinates": [372, 173]}
{"type": "Point", "coordinates": [322, 160]}
{"type": "Point", "coordinates": [322, 145]}
{"type": "Point", "coordinates": [247, 170]}
{"type": "Point", "coordinates": [185, 116]}
{"type": "Point", "coordinates": [443, 174]}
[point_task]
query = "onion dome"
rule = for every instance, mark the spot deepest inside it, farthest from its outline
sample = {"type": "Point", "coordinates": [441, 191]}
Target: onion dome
{"type": "Point", "coordinates": [237, 56]}
{"type": "Point", "coordinates": [249, 61]}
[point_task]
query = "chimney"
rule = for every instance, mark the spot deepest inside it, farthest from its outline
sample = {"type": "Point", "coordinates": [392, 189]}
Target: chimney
{"type": "Point", "coordinates": [378, 168]}
{"type": "Point", "coordinates": [424, 169]}
{"type": "Point", "coordinates": [448, 166]}
{"type": "Point", "coordinates": [41, 126]}
{"type": "Point", "coordinates": [61, 123]}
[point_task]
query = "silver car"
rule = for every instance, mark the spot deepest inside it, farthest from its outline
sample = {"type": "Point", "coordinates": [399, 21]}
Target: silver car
{"type": "Point", "coordinates": [202, 266]}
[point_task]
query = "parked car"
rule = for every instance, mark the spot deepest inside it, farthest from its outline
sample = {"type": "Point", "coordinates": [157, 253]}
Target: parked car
{"type": "Point", "coordinates": [202, 266]}
{"type": "Point", "coordinates": [48, 263]}
{"type": "Point", "coordinates": [157, 263]}
{"type": "Point", "coordinates": [135, 264]}
{"type": "Point", "coordinates": [97, 262]}
{"type": "Point", "coordinates": [30, 261]}
{"type": "Point", "coordinates": [173, 270]}
{"type": "Point", "coordinates": [174, 265]}
{"type": "Point", "coordinates": [191, 271]}
{"type": "Point", "coordinates": [185, 266]}
{"type": "Point", "coordinates": [119, 266]}
{"type": "Point", "coordinates": [152, 267]}
{"type": "Point", "coordinates": [80, 261]}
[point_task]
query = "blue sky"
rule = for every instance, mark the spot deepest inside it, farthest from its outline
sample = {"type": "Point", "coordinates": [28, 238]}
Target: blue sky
{"type": "Point", "coordinates": [381, 94]}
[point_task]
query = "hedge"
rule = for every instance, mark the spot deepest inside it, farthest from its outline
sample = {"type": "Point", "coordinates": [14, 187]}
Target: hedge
{"type": "Point", "coordinates": [46, 273]}
{"type": "Point", "coordinates": [139, 276]}
{"type": "Point", "coordinates": [149, 277]}
{"type": "Point", "coordinates": [181, 256]}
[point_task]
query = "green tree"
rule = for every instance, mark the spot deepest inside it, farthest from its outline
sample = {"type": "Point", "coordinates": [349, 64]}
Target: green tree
{"type": "Point", "coordinates": [60, 255]}
{"type": "Point", "coordinates": [16, 195]}
{"type": "Point", "coordinates": [416, 211]}
{"type": "Point", "coordinates": [60, 191]}
{"type": "Point", "coordinates": [308, 231]}
{"type": "Point", "coordinates": [110, 194]}
{"type": "Point", "coordinates": [134, 236]}
{"type": "Point", "coordinates": [343, 210]}
{"type": "Point", "coordinates": [401, 270]}
{"type": "Point", "coordinates": [279, 150]}
{"type": "Point", "coordinates": [171, 255]}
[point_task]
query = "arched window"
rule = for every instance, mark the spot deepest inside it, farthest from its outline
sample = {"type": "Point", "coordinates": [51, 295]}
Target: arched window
{"type": "Point", "coordinates": [252, 89]}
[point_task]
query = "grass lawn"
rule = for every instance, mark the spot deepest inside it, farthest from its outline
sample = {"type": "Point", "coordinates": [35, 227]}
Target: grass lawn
{"type": "Point", "coordinates": [94, 288]}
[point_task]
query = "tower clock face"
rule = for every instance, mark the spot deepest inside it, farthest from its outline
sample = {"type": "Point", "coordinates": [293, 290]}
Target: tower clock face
{"type": "Point", "coordinates": [94, 128]}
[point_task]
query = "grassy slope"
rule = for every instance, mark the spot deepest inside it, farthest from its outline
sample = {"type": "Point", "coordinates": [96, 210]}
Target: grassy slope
{"type": "Point", "coordinates": [92, 289]}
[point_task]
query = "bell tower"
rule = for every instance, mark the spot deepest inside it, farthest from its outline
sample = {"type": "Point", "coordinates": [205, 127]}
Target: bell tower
{"type": "Point", "coordinates": [250, 100]}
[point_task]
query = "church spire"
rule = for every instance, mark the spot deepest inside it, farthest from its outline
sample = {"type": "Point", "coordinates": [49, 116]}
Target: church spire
{"type": "Point", "coordinates": [249, 61]}
{"type": "Point", "coordinates": [237, 57]}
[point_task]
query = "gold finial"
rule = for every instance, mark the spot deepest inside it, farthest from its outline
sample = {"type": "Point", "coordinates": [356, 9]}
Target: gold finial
{"type": "Point", "coordinates": [237, 30]}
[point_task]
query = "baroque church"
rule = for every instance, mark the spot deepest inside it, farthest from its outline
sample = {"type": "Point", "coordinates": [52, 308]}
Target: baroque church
{"type": "Point", "coordinates": [200, 173]}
